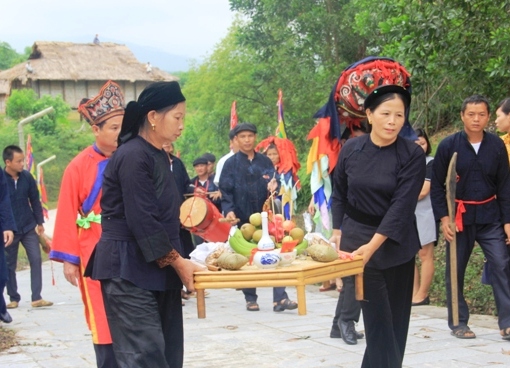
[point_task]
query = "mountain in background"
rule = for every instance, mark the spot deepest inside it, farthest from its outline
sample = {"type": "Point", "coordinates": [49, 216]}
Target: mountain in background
{"type": "Point", "coordinates": [168, 62]}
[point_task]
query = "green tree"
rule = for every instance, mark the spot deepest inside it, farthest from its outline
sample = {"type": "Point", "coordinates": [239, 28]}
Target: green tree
{"type": "Point", "coordinates": [23, 103]}
{"type": "Point", "coordinates": [300, 46]}
{"type": "Point", "coordinates": [20, 104]}
{"type": "Point", "coordinates": [10, 57]}
{"type": "Point", "coordinates": [452, 48]}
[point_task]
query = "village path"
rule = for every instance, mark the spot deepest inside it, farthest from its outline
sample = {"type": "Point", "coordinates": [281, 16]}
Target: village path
{"type": "Point", "coordinates": [230, 336]}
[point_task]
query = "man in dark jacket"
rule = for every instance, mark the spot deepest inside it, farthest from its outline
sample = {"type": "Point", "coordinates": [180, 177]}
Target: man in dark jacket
{"type": "Point", "coordinates": [28, 214]}
{"type": "Point", "coordinates": [245, 182]}
{"type": "Point", "coordinates": [483, 208]}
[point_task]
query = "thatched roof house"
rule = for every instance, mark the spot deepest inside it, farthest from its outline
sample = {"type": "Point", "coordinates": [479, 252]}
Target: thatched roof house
{"type": "Point", "coordinates": [76, 71]}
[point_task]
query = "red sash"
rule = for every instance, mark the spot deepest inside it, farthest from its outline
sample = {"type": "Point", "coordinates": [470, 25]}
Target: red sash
{"type": "Point", "coordinates": [461, 209]}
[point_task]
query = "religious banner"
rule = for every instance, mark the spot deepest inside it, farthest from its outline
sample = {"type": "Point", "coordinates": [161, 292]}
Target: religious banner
{"type": "Point", "coordinates": [280, 130]}
{"type": "Point", "coordinates": [29, 157]}
{"type": "Point", "coordinates": [42, 193]}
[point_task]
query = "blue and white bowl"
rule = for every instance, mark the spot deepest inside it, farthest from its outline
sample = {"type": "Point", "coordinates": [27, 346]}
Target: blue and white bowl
{"type": "Point", "coordinates": [266, 259]}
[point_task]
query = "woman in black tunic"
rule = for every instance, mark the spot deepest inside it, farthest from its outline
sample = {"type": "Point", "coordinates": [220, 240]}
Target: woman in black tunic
{"type": "Point", "coordinates": [138, 258]}
{"type": "Point", "coordinates": [376, 185]}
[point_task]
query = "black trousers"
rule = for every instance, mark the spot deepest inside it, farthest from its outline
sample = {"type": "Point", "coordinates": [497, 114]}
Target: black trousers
{"type": "Point", "coordinates": [491, 238]}
{"type": "Point", "coordinates": [386, 312]}
{"type": "Point", "coordinates": [105, 357]}
{"type": "Point", "coordinates": [347, 307]}
{"type": "Point", "coordinates": [146, 326]}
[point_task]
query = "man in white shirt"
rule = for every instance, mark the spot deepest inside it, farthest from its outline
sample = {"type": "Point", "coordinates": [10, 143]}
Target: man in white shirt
{"type": "Point", "coordinates": [233, 149]}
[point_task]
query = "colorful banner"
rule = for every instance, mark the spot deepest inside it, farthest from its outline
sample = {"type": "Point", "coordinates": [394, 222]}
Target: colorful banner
{"type": "Point", "coordinates": [42, 193]}
{"type": "Point", "coordinates": [233, 115]}
{"type": "Point", "coordinates": [280, 130]}
{"type": "Point", "coordinates": [29, 157]}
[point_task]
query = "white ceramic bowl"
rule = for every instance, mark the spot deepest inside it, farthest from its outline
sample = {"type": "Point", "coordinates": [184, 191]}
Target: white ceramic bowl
{"type": "Point", "coordinates": [287, 258]}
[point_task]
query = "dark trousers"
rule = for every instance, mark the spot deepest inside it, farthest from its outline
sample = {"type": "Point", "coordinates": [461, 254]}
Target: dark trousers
{"type": "Point", "coordinates": [105, 358]}
{"type": "Point", "coordinates": [187, 243]}
{"type": "Point", "coordinates": [491, 238]}
{"type": "Point", "coordinates": [146, 326]}
{"type": "Point", "coordinates": [279, 294]}
{"type": "Point", "coordinates": [30, 241]}
{"type": "Point", "coordinates": [386, 311]}
{"type": "Point", "coordinates": [3, 306]}
{"type": "Point", "coordinates": [347, 307]}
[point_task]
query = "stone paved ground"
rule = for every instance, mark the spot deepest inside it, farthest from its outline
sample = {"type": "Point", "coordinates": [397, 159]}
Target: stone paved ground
{"type": "Point", "coordinates": [230, 336]}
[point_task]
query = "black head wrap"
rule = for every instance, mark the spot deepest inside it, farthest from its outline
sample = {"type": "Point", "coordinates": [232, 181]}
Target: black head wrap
{"type": "Point", "coordinates": [155, 96]}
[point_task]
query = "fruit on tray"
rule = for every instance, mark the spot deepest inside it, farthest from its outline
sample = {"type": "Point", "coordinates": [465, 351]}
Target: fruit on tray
{"type": "Point", "coordinates": [240, 245]}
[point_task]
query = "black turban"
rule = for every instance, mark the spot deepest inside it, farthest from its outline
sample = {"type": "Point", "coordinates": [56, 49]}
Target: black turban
{"type": "Point", "coordinates": [155, 96]}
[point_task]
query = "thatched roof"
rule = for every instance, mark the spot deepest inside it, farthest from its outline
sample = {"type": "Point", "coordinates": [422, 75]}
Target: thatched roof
{"type": "Point", "coordinates": [82, 61]}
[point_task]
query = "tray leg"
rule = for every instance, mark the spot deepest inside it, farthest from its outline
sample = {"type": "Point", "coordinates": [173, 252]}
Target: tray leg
{"type": "Point", "coordinates": [358, 280]}
{"type": "Point", "coordinates": [301, 298]}
{"type": "Point", "coordinates": [201, 303]}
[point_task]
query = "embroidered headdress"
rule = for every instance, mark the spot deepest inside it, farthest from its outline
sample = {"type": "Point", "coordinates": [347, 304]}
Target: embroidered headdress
{"type": "Point", "coordinates": [107, 104]}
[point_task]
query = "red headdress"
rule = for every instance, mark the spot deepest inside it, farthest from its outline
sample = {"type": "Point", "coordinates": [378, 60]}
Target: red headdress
{"type": "Point", "coordinates": [286, 151]}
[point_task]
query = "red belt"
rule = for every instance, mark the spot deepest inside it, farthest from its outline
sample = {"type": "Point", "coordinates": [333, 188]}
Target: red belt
{"type": "Point", "coordinates": [461, 209]}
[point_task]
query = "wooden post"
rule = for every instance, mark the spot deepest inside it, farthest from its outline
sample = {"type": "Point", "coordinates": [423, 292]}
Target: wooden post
{"type": "Point", "coordinates": [451, 185]}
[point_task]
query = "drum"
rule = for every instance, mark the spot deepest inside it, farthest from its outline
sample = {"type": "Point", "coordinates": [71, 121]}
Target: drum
{"type": "Point", "coordinates": [201, 217]}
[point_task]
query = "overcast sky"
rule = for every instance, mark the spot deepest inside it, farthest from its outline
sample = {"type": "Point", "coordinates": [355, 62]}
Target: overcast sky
{"type": "Point", "coordinates": [183, 27]}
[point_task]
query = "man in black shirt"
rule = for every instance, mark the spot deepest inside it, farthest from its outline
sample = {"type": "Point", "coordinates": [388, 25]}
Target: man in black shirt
{"type": "Point", "coordinates": [483, 208]}
{"type": "Point", "coordinates": [27, 210]}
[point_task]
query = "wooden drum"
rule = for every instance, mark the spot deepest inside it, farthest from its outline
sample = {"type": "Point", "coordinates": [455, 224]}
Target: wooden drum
{"type": "Point", "coordinates": [201, 217]}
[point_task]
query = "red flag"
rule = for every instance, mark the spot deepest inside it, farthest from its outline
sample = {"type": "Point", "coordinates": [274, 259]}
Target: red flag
{"type": "Point", "coordinates": [233, 116]}
{"type": "Point", "coordinates": [30, 157]}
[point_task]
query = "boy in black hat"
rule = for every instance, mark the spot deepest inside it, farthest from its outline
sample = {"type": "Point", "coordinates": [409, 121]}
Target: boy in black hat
{"type": "Point", "coordinates": [211, 160]}
{"type": "Point", "coordinates": [203, 183]}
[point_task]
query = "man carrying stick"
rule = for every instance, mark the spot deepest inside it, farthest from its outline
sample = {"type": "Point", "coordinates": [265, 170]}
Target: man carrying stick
{"type": "Point", "coordinates": [482, 209]}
